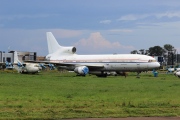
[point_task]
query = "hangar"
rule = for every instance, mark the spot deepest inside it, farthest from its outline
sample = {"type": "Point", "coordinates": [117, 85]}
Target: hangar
{"type": "Point", "coordinates": [9, 57]}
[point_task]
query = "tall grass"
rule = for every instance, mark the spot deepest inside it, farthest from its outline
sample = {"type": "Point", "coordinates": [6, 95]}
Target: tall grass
{"type": "Point", "coordinates": [55, 95]}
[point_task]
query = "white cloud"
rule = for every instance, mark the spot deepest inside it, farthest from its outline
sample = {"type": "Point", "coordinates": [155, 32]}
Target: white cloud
{"type": "Point", "coordinates": [96, 42]}
{"type": "Point", "coordinates": [133, 17]}
{"type": "Point", "coordinates": [128, 17]}
{"type": "Point", "coordinates": [105, 22]}
{"type": "Point", "coordinates": [168, 14]}
{"type": "Point", "coordinates": [63, 33]}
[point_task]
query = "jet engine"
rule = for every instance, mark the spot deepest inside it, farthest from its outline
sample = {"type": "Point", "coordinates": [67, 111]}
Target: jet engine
{"type": "Point", "coordinates": [81, 70]}
{"type": "Point", "coordinates": [69, 50]}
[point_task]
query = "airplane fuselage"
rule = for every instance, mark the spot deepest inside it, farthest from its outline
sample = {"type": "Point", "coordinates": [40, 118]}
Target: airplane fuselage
{"type": "Point", "coordinates": [30, 68]}
{"type": "Point", "coordinates": [110, 62]}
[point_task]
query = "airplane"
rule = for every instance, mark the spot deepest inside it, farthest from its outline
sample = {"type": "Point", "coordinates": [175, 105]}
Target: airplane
{"type": "Point", "coordinates": [99, 64]}
{"type": "Point", "coordinates": [25, 67]}
{"type": "Point", "coordinates": [6, 65]}
{"type": "Point", "coordinates": [9, 65]}
{"type": "Point", "coordinates": [177, 72]}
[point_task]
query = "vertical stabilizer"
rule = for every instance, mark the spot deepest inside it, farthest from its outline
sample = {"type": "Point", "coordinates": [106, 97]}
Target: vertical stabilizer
{"type": "Point", "coordinates": [53, 45]}
{"type": "Point", "coordinates": [16, 60]}
{"type": "Point", "coordinates": [17, 63]}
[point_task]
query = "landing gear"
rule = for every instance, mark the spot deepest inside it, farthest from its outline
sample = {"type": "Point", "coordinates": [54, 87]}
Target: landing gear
{"type": "Point", "coordinates": [138, 74]}
{"type": "Point", "coordinates": [102, 74]}
{"type": "Point", "coordinates": [80, 75]}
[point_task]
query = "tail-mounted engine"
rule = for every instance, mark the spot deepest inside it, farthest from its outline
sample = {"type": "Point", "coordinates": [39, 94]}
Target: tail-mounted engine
{"type": "Point", "coordinates": [81, 70]}
{"type": "Point", "coordinates": [68, 50]}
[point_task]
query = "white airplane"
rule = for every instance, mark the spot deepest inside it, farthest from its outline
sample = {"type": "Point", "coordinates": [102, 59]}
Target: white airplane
{"type": "Point", "coordinates": [25, 67]}
{"type": "Point", "coordinates": [170, 70]}
{"type": "Point", "coordinates": [177, 73]}
{"type": "Point", "coordinates": [99, 65]}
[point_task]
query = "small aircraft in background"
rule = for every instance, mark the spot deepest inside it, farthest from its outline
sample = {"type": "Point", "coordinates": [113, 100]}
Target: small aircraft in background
{"type": "Point", "coordinates": [170, 70]}
{"type": "Point", "coordinates": [9, 65]}
{"type": "Point", "coordinates": [6, 65]}
{"type": "Point", "coordinates": [25, 67]}
{"type": "Point", "coordinates": [177, 72]}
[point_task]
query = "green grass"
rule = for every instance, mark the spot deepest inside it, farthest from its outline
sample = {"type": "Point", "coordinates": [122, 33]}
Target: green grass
{"type": "Point", "coordinates": [55, 95]}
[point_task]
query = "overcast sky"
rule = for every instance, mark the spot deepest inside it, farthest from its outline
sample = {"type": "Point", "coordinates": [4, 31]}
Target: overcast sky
{"type": "Point", "coordinates": [92, 26]}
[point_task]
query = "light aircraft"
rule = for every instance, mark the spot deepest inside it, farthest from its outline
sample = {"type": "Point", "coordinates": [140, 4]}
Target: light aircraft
{"type": "Point", "coordinates": [177, 73]}
{"type": "Point", "coordinates": [100, 65]}
{"type": "Point", "coordinates": [9, 65]}
{"type": "Point", "coordinates": [170, 70]}
{"type": "Point", "coordinates": [6, 65]}
{"type": "Point", "coordinates": [25, 67]}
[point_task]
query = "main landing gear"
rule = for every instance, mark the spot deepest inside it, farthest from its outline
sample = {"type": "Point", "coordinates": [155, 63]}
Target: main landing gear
{"type": "Point", "coordinates": [103, 74]}
{"type": "Point", "coordinates": [138, 76]}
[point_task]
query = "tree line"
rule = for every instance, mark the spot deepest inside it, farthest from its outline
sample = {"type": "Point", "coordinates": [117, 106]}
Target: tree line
{"type": "Point", "coordinates": [168, 52]}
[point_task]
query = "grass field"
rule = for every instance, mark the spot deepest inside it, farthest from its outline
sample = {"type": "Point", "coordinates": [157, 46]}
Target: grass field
{"type": "Point", "coordinates": [55, 95]}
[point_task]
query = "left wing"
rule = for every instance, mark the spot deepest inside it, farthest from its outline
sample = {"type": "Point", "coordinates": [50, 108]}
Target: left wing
{"type": "Point", "coordinates": [90, 66]}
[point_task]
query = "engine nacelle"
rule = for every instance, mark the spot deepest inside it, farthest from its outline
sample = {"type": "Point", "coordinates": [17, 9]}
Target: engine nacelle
{"type": "Point", "coordinates": [81, 70]}
{"type": "Point", "coordinates": [69, 50]}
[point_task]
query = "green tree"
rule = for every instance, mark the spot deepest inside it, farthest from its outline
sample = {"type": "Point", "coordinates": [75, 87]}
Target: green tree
{"type": "Point", "coordinates": [168, 47]}
{"type": "Point", "coordinates": [170, 54]}
{"type": "Point", "coordinates": [146, 52]}
{"type": "Point", "coordinates": [156, 51]}
{"type": "Point", "coordinates": [141, 51]}
{"type": "Point", "coordinates": [134, 52]}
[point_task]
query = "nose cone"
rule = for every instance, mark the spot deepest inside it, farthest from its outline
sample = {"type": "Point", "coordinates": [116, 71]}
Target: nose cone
{"type": "Point", "coordinates": [157, 65]}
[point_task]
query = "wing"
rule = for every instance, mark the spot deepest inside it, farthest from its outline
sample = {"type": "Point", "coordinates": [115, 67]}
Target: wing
{"type": "Point", "coordinates": [61, 64]}
{"type": "Point", "coordinates": [74, 65]}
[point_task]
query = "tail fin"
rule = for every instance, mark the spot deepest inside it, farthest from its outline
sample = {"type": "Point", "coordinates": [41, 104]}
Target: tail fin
{"type": "Point", "coordinates": [16, 60]}
{"type": "Point", "coordinates": [18, 65]}
{"type": "Point", "coordinates": [52, 43]}
{"type": "Point", "coordinates": [54, 47]}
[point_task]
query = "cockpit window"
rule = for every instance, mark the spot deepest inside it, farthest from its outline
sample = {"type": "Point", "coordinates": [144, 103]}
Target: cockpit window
{"type": "Point", "coordinates": [152, 61]}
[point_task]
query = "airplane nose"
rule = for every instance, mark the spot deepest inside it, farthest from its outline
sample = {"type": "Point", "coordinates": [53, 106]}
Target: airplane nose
{"type": "Point", "coordinates": [157, 65]}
